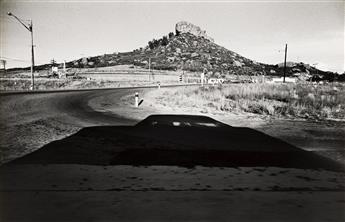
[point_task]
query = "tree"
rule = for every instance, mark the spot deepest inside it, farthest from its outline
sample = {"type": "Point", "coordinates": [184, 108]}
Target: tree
{"type": "Point", "coordinates": [171, 34]}
{"type": "Point", "coordinates": [151, 45]}
{"type": "Point", "coordinates": [165, 41]}
{"type": "Point", "coordinates": [155, 43]}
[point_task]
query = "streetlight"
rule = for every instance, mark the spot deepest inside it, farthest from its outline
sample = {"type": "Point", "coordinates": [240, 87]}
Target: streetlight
{"type": "Point", "coordinates": [28, 27]}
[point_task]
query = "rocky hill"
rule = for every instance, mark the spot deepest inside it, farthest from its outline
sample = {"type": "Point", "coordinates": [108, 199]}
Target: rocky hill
{"type": "Point", "coordinates": [190, 48]}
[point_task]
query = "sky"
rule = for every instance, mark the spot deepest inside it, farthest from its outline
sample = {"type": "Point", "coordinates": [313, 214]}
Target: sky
{"type": "Point", "coordinates": [258, 30]}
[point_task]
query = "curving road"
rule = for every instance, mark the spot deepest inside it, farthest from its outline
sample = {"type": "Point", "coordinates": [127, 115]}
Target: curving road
{"type": "Point", "coordinates": [30, 120]}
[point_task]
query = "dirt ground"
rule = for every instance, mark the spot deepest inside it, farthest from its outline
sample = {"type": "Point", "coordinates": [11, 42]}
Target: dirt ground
{"type": "Point", "coordinates": [29, 121]}
{"type": "Point", "coordinates": [324, 137]}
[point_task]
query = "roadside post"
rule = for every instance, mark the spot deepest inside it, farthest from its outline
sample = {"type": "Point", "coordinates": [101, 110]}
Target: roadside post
{"type": "Point", "coordinates": [202, 77]}
{"type": "Point", "coordinates": [159, 85]}
{"type": "Point", "coordinates": [136, 99]}
{"type": "Point", "coordinates": [64, 66]}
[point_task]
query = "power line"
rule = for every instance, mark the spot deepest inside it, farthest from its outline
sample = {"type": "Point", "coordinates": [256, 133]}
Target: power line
{"type": "Point", "coordinates": [14, 59]}
{"type": "Point", "coordinates": [20, 60]}
{"type": "Point", "coordinates": [8, 19]}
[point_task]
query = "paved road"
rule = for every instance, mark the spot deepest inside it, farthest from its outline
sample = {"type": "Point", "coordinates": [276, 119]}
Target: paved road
{"type": "Point", "coordinates": [71, 103]}
{"type": "Point", "coordinates": [30, 120]}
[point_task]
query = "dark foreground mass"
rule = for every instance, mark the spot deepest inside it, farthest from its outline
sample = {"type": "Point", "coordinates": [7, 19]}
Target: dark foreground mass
{"type": "Point", "coordinates": [178, 140]}
{"type": "Point", "coordinates": [169, 167]}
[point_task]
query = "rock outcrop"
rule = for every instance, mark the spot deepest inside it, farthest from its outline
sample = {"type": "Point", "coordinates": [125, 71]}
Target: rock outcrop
{"type": "Point", "coordinates": [187, 27]}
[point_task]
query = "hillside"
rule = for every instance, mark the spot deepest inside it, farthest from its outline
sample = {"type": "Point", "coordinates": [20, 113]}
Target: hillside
{"type": "Point", "coordinates": [189, 48]}
{"type": "Point", "coordinates": [182, 50]}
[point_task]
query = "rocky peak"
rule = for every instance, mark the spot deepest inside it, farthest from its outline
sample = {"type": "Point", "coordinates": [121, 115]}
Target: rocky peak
{"type": "Point", "coordinates": [187, 27]}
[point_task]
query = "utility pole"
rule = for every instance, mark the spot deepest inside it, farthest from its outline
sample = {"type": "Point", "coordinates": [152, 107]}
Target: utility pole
{"type": "Point", "coordinates": [64, 66]}
{"type": "Point", "coordinates": [285, 62]}
{"type": "Point", "coordinates": [32, 56]}
{"type": "Point", "coordinates": [149, 68]}
{"type": "Point", "coordinates": [3, 62]}
{"type": "Point", "coordinates": [317, 72]}
{"type": "Point", "coordinates": [30, 28]}
{"type": "Point", "coordinates": [183, 69]}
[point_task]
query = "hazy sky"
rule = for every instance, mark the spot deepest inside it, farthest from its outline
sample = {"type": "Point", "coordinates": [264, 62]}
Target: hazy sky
{"type": "Point", "coordinates": [66, 30]}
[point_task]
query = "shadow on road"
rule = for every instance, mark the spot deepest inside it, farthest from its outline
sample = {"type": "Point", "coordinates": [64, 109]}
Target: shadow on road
{"type": "Point", "coordinates": [180, 140]}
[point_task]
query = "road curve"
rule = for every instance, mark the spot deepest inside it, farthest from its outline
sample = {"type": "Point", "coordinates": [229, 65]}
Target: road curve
{"type": "Point", "coordinates": [30, 120]}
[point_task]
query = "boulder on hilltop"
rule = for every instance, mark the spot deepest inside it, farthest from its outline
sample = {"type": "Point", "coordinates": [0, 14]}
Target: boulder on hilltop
{"type": "Point", "coordinates": [187, 27]}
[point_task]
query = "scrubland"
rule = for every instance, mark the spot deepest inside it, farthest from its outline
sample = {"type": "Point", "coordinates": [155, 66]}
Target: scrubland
{"type": "Point", "coordinates": [282, 100]}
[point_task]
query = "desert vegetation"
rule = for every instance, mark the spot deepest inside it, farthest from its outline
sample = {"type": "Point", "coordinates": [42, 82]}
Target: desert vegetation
{"type": "Point", "coordinates": [55, 84]}
{"type": "Point", "coordinates": [281, 100]}
{"type": "Point", "coordinates": [160, 42]}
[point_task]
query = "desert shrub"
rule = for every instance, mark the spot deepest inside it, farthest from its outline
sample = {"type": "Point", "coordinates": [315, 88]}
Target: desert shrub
{"type": "Point", "coordinates": [171, 35]}
{"type": "Point", "coordinates": [154, 43]}
{"type": "Point", "coordinates": [300, 100]}
{"type": "Point", "coordinates": [165, 41]}
{"type": "Point", "coordinates": [160, 42]}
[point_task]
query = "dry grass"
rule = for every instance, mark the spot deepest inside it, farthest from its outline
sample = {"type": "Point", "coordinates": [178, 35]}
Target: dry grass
{"type": "Point", "coordinates": [52, 84]}
{"type": "Point", "coordinates": [289, 100]}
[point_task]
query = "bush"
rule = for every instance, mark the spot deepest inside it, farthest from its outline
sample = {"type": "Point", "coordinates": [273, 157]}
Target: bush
{"type": "Point", "coordinates": [278, 99]}
{"type": "Point", "coordinates": [165, 41]}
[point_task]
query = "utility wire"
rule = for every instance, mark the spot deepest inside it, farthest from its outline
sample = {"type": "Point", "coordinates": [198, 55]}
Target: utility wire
{"type": "Point", "coordinates": [13, 59]}
{"type": "Point", "coordinates": [10, 19]}
{"type": "Point", "coordinates": [19, 60]}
